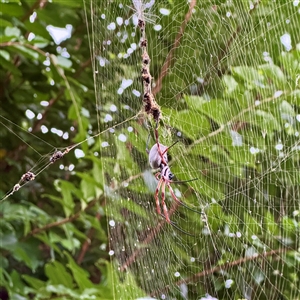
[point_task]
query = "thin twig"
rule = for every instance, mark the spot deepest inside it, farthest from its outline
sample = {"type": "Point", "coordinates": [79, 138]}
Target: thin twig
{"type": "Point", "coordinates": [60, 222]}
{"type": "Point", "coordinates": [38, 4]}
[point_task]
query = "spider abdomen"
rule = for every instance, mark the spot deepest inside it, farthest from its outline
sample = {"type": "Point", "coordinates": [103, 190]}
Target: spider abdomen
{"type": "Point", "coordinates": [155, 158]}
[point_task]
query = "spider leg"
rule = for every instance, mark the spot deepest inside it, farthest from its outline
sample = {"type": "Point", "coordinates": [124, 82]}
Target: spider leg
{"type": "Point", "coordinates": [169, 148]}
{"type": "Point", "coordinates": [180, 202]}
{"type": "Point", "coordinates": [157, 175]}
{"type": "Point", "coordinates": [172, 193]}
{"type": "Point", "coordinates": [156, 196]}
{"type": "Point", "coordinates": [163, 193]}
{"type": "Point", "coordinates": [158, 146]}
{"type": "Point", "coordinates": [178, 228]}
{"type": "Point", "coordinates": [183, 181]}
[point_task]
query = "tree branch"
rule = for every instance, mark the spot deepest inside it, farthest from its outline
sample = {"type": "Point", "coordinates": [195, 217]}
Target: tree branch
{"type": "Point", "coordinates": [38, 4]}
{"type": "Point", "coordinates": [224, 52]}
{"type": "Point", "coordinates": [60, 222]}
{"type": "Point", "coordinates": [168, 61]}
{"type": "Point", "coordinates": [223, 267]}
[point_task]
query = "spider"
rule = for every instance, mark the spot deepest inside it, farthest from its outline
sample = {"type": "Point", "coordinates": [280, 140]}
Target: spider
{"type": "Point", "coordinates": [158, 159]}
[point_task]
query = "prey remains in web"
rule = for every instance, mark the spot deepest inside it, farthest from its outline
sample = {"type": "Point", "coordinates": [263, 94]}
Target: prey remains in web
{"type": "Point", "coordinates": [47, 160]}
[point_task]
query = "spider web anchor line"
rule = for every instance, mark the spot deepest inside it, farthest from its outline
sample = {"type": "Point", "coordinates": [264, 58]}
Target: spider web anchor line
{"type": "Point", "coordinates": [31, 176]}
{"type": "Point", "coordinates": [26, 177]}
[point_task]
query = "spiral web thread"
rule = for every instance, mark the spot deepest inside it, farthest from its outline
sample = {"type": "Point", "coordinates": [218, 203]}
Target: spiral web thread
{"type": "Point", "coordinates": [238, 132]}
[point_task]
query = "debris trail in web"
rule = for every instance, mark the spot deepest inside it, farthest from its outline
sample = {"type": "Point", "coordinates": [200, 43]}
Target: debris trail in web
{"type": "Point", "coordinates": [150, 105]}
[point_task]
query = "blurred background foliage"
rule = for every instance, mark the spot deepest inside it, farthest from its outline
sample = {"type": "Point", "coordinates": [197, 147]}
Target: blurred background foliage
{"type": "Point", "coordinates": [231, 91]}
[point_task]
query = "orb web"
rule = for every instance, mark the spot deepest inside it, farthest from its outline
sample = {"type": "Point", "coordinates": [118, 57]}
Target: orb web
{"type": "Point", "coordinates": [226, 78]}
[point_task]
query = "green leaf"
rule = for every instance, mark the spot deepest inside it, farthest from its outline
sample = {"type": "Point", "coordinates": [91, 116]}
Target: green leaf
{"type": "Point", "coordinates": [294, 97]}
{"type": "Point", "coordinates": [3, 262]}
{"type": "Point", "coordinates": [8, 241]}
{"type": "Point", "coordinates": [238, 151]}
{"type": "Point", "coordinates": [194, 102]}
{"type": "Point", "coordinates": [12, 9]}
{"type": "Point", "coordinates": [74, 4]}
{"type": "Point", "coordinates": [75, 82]}
{"type": "Point", "coordinates": [230, 83]}
{"type": "Point", "coordinates": [60, 289]}
{"type": "Point", "coordinates": [63, 62]}
{"type": "Point", "coordinates": [5, 278]}
{"type": "Point", "coordinates": [98, 174]}
{"type": "Point", "coordinates": [29, 53]}
{"type": "Point", "coordinates": [131, 206]}
{"type": "Point", "coordinates": [5, 55]}
{"type": "Point", "coordinates": [27, 253]}
{"type": "Point", "coordinates": [215, 216]}
{"type": "Point", "coordinates": [19, 286]}
{"type": "Point", "coordinates": [266, 121]}
{"type": "Point", "coordinates": [220, 111]}
{"type": "Point", "coordinates": [289, 225]}
{"type": "Point", "coordinates": [34, 282]}
{"type": "Point", "coordinates": [189, 122]}
{"type": "Point", "coordinates": [273, 72]}
{"type": "Point", "coordinates": [286, 110]}
{"type": "Point", "coordinates": [270, 224]}
{"type": "Point", "coordinates": [12, 31]}
{"type": "Point", "coordinates": [40, 42]}
{"type": "Point", "coordinates": [215, 153]}
{"type": "Point", "coordinates": [290, 63]}
{"type": "Point", "coordinates": [40, 32]}
{"type": "Point", "coordinates": [111, 280]}
{"type": "Point", "coordinates": [66, 190]}
{"type": "Point", "coordinates": [79, 274]}
{"type": "Point", "coordinates": [43, 237]}
{"type": "Point", "coordinates": [71, 243]}
{"type": "Point", "coordinates": [88, 189]}
{"type": "Point", "coordinates": [57, 15]}
{"type": "Point", "coordinates": [5, 23]}
{"type": "Point", "coordinates": [249, 74]}
{"type": "Point", "coordinates": [10, 67]}
{"type": "Point", "coordinates": [89, 178]}
{"type": "Point", "coordinates": [57, 274]}
{"type": "Point", "coordinates": [253, 227]}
